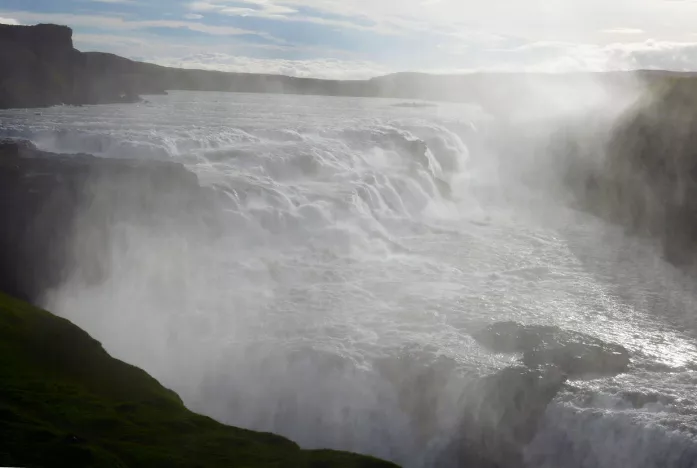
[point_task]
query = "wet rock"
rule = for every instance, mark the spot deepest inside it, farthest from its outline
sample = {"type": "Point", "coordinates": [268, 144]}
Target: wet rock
{"type": "Point", "coordinates": [639, 399]}
{"type": "Point", "coordinates": [512, 337]}
{"type": "Point", "coordinates": [581, 359]}
{"type": "Point", "coordinates": [421, 382]}
{"type": "Point", "coordinates": [502, 415]}
{"type": "Point", "coordinates": [59, 211]}
{"type": "Point", "coordinates": [646, 181]}
{"type": "Point", "coordinates": [577, 354]}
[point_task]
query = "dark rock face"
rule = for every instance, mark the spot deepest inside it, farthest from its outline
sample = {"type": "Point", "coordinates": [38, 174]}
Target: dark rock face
{"type": "Point", "coordinates": [576, 354]}
{"type": "Point", "coordinates": [40, 37]}
{"type": "Point", "coordinates": [650, 172]}
{"type": "Point", "coordinates": [647, 181]}
{"type": "Point", "coordinates": [420, 381]}
{"type": "Point", "coordinates": [39, 67]}
{"type": "Point", "coordinates": [502, 415]}
{"type": "Point", "coordinates": [46, 198]}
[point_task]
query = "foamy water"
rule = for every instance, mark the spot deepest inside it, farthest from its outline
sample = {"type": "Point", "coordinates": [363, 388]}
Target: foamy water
{"type": "Point", "coordinates": [362, 242]}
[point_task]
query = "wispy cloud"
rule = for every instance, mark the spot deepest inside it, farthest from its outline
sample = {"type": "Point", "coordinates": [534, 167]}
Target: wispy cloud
{"type": "Point", "coordinates": [260, 8]}
{"type": "Point", "coordinates": [623, 31]}
{"type": "Point", "coordinates": [121, 24]}
{"type": "Point", "coordinates": [289, 13]}
{"type": "Point", "coordinates": [226, 57]}
{"type": "Point", "coordinates": [562, 57]}
{"type": "Point", "coordinates": [328, 68]}
{"type": "Point", "coordinates": [150, 47]}
{"type": "Point", "coordinates": [398, 34]}
{"type": "Point", "coordinates": [125, 2]}
{"type": "Point", "coordinates": [12, 21]}
{"type": "Point", "coordinates": [536, 20]}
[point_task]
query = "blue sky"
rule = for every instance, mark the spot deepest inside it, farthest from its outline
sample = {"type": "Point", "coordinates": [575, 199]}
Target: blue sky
{"type": "Point", "coordinates": [362, 38]}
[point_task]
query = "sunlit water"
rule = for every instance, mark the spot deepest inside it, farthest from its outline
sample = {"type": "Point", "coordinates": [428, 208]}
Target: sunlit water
{"type": "Point", "coordinates": [350, 263]}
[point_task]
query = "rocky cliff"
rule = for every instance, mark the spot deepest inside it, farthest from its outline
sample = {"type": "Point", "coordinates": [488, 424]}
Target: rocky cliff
{"type": "Point", "coordinates": [645, 172]}
{"type": "Point", "coordinates": [39, 67]}
{"type": "Point", "coordinates": [46, 198]}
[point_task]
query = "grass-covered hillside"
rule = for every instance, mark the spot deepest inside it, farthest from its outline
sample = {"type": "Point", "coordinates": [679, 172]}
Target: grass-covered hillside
{"type": "Point", "coordinates": [64, 402]}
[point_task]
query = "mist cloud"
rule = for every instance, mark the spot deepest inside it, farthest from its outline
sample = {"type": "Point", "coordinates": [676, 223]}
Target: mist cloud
{"type": "Point", "coordinates": [566, 57]}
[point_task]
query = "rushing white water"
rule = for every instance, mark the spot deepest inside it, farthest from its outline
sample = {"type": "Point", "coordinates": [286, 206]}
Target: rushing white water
{"type": "Point", "coordinates": [363, 241]}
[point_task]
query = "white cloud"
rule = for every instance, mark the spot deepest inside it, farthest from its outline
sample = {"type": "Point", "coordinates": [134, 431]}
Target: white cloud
{"type": "Point", "coordinates": [228, 56]}
{"type": "Point", "coordinates": [316, 68]}
{"type": "Point", "coordinates": [263, 8]}
{"type": "Point", "coordinates": [543, 35]}
{"type": "Point", "coordinates": [92, 42]}
{"type": "Point", "coordinates": [11, 21]}
{"type": "Point", "coordinates": [543, 56]}
{"type": "Point", "coordinates": [532, 20]}
{"type": "Point", "coordinates": [131, 2]}
{"type": "Point", "coordinates": [623, 31]}
{"type": "Point", "coordinates": [568, 57]}
{"type": "Point", "coordinates": [651, 54]}
{"type": "Point", "coordinates": [116, 23]}
{"type": "Point", "coordinates": [276, 11]}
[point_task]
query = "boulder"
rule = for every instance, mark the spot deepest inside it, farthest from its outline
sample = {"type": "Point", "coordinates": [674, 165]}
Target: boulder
{"type": "Point", "coordinates": [421, 381]}
{"type": "Point", "coordinates": [576, 354]}
{"type": "Point", "coordinates": [502, 415]}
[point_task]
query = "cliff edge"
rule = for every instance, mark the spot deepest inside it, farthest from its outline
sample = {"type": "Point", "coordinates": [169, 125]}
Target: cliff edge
{"type": "Point", "coordinates": [65, 402]}
{"type": "Point", "coordinates": [39, 67]}
{"type": "Point", "coordinates": [46, 199]}
{"type": "Point", "coordinates": [646, 177]}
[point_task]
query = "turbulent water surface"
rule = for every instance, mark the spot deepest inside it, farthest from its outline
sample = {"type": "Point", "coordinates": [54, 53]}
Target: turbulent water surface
{"type": "Point", "coordinates": [363, 241]}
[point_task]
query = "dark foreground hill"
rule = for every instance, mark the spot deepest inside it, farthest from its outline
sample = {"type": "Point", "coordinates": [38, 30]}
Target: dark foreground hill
{"type": "Point", "coordinates": [64, 402]}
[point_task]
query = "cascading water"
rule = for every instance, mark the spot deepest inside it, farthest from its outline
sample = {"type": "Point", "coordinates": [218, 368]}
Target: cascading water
{"type": "Point", "coordinates": [360, 245]}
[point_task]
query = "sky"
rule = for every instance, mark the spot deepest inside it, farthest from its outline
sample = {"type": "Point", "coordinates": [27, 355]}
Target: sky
{"type": "Point", "coordinates": [355, 39]}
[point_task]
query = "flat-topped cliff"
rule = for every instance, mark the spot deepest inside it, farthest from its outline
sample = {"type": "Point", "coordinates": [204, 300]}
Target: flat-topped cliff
{"type": "Point", "coordinates": [40, 67]}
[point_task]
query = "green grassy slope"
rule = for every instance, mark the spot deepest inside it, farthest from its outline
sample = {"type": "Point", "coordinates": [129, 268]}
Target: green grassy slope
{"type": "Point", "coordinates": [65, 402]}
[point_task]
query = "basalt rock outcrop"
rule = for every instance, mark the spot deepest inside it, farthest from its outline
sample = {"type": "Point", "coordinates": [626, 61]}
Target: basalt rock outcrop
{"type": "Point", "coordinates": [503, 412]}
{"type": "Point", "coordinates": [575, 354]}
{"type": "Point", "coordinates": [47, 199]}
{"type": "Point", "coordinates": [501, 416]}
{"type": "Point", "coordinates": [644, 172]}
{"type": "Point", "coordinates": [39, 67]}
